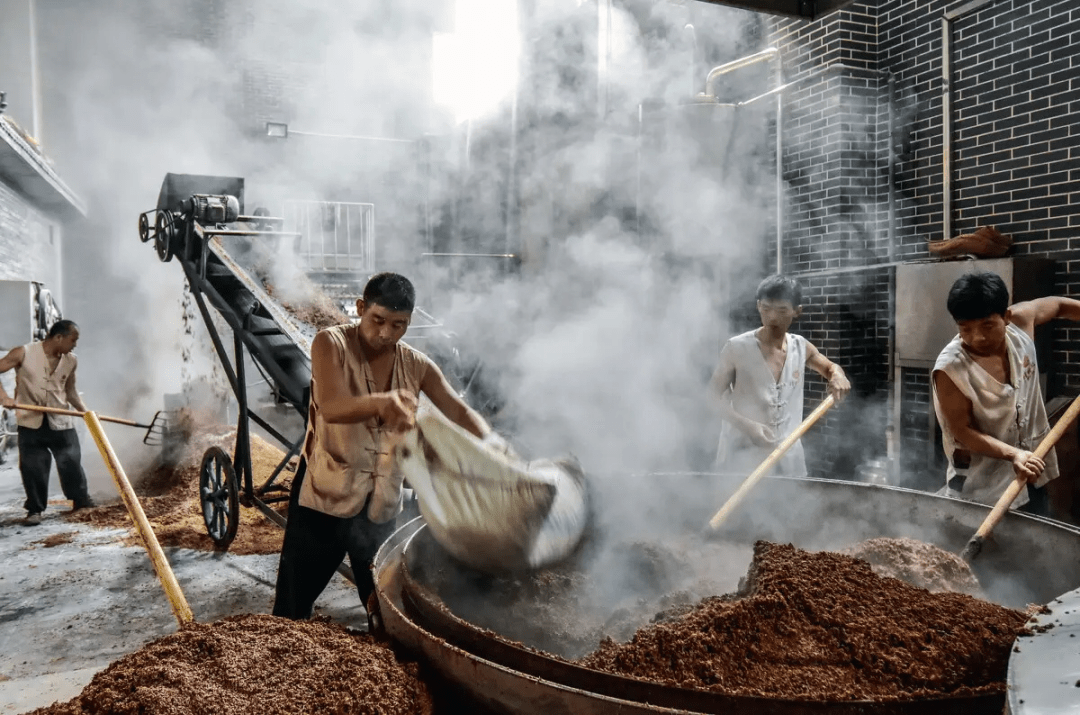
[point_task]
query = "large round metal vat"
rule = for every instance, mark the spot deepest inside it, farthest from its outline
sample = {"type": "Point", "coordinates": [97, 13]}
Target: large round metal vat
{"type": "Point", "coordinates": [1030, 560]}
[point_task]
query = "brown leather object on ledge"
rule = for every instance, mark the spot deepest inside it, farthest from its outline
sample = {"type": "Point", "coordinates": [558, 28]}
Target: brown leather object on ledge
{"type": "Point", "coordinates": [986, 242]}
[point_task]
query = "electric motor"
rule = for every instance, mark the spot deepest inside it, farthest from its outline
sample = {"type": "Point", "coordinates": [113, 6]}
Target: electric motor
{"type": "Point", "coordinates": [208, 209]}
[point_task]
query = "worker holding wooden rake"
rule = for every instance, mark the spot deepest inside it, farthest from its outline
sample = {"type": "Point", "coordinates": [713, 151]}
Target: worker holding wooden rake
{"type": "Point", "coordinates": [45, 377]}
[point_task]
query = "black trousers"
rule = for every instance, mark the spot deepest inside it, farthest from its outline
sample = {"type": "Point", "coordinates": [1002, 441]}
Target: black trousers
{"type": "Point", "coordinates": [315, 544]}
{"type": "Point", "coordinates": [37, 447]}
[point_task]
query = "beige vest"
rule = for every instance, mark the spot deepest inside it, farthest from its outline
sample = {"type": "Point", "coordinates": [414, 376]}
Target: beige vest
{"type": "Point", "coordinates": [341, 456]}
{"type": "Point", "coordinates": [35, 385]}
{"type": "Point", "coordinates": [1013, 413]}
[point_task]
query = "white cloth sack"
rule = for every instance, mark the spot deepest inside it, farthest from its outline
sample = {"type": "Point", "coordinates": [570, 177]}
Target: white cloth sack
{"type": "Point", "coordinates": [491, 510]}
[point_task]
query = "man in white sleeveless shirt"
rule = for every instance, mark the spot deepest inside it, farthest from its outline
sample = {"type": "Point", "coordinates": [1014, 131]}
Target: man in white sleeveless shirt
{"type": "Point", "coordinates": [45, 376]}
{"type": "Point", "coordinates": [759, 384]}
{"type": "Point", "coordinates": [987, 395]}
{"type": "Point", "coordinates": [365, 386]}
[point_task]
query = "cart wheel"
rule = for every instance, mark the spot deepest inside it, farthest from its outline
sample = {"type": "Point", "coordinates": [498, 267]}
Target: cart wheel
{"type": "Point", "coordinates": [164, 231]}
{"type": "Point", "coordinates": [220, 497]}
{"type": "Point", "coordinates": [144, 228]}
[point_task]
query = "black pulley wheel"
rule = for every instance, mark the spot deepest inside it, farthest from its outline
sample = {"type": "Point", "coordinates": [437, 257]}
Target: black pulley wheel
{"type": "Point", "coordinates": [144, 228]}
{"type": "Point", "coordinates": [163, 236]}
{"type": "Point", "coordinates": [219, 493]}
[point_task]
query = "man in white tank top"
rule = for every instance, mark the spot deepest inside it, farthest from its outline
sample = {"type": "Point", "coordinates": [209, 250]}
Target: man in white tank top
{"type": "Point", "coordinates": [987, 395]}
{"type": "Point", "coordinates": [365, 386]}
{"type": "Point", "coordinates": [759, 384]}
{"type": "Point", "coordinates": [45, 376]}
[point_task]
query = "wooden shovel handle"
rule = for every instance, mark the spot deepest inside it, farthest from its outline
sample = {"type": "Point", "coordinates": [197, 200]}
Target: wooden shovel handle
{"type": "Point", "coordinates": [772, 459]}
{"type": "Point", "coordinates": [76, 413]}
{"type": "Point", "coordinates": [181, 609]}
{"type": "Point", "coordinates": [1013, 490]}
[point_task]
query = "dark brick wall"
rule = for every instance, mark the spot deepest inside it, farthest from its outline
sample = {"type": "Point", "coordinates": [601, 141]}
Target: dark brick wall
{"type": "Point", "coordinates": [1016, 139]}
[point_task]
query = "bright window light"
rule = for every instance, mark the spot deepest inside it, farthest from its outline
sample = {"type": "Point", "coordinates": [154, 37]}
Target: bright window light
{"type": "Point", "coordinates": [475, 67]}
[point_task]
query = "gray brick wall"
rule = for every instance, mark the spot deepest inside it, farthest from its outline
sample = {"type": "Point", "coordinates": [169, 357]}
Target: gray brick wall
{"type": "Point", "coordinates": [29, 241]}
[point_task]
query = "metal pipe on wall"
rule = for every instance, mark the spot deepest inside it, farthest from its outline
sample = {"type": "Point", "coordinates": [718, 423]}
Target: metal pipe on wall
{"type": "Point", "coordinates": [511, 177]}
{"type": "Point", "coordinates": [693, 56]}
{"type": "Point", "coordinates": [892, 427]}
{"type": "Point", "coordinates": [35, 75]}
{"type": "Point", "coordinates": [717, 72]}
{"type": "Point", "coordinates": [946, 128]}
{"type": "Point", "coordinates": [947, 20]}
{"type": "Point", "coordinates": [779, 166]}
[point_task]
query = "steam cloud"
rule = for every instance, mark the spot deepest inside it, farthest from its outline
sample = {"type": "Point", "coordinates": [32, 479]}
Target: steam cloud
{"type": "Point", "coordinates": [639, 220]}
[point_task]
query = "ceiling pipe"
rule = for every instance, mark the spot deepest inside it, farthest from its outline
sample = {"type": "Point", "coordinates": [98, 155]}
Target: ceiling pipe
{"type": "Point", "coordinates": [709, 95]}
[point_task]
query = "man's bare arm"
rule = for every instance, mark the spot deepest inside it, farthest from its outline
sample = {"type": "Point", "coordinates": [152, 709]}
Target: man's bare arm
{"type": "Point", "coordinates": [839, 386]}
{"type": "Point", "coordinates": [443, 396]}
{"type": "Point", "coordinates": [1033, 313]}
{"type": "Point", "coordinates": [10, 361]}
{"type": "Point", "coordinates": [956, 411]}
{"type": "Point", "coordinates": [72, 392]}
{"type": "Point", "coordinates": [337, 405]}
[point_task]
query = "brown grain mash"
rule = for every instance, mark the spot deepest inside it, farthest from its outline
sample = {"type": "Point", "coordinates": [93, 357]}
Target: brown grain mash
{"type": "Point", "coordinates": [255, 664]}
{"type": "Point", "coordinates": [823, 626]}
{"type": "Point", "coordinates": [169, 493]}
{"type": "Point", "coordinates": [918, 563]}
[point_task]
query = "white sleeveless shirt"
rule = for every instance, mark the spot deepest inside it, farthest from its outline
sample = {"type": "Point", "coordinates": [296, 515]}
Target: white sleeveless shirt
{"type": "Point", "coordinates": [756, 395]}
{"type": "Point", "coordinates": [1013, 413]}
{"type": "Point", "coordinates": [36, 385]}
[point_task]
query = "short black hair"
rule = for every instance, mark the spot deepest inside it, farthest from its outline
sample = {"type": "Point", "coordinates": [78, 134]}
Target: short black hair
{"type": "Point", "coordinates": [978, 295]}
{"type": "Point", "coordinates": [61, 327]}
{"type": "Point", "coordinates": [778, 287]}
{"type": "Point", "coordinates": [390, 290]}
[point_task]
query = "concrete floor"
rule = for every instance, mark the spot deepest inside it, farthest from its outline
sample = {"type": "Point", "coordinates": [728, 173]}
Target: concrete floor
{"type": "Point", "coordinates": [69, 610]}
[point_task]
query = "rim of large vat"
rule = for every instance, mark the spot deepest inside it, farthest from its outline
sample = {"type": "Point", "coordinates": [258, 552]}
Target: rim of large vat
{"type": "Point", "coordinates": [994, 700]}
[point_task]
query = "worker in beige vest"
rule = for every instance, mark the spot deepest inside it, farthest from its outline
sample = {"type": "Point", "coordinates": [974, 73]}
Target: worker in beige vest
{"type": "Point", "coordinates": [987, 394]}
{"type": "Point", "coordinates": [365, 386]}
{"type": "Point", "coordinates": [45, 376]}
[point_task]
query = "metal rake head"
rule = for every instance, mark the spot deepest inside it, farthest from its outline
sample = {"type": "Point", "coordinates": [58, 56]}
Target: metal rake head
{"type": "Point", "coordinates": [156, 430]}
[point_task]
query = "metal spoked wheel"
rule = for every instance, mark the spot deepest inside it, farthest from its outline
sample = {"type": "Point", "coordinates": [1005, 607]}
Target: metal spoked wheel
{"type": "Point", "coordinates": [164, 232]}
{"type": "Point", "coordinates": [220, 497]}
{"type": "Point", "coordinates": [144, 227]}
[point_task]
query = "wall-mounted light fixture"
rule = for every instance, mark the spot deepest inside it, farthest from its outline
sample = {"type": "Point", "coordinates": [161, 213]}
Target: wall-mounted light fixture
{"type": "Point", "coordinates": [280, 130]}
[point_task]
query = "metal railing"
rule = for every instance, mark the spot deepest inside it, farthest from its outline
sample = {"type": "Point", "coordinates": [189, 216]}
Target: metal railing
{"type": "Point", "coordinates": [335, 236]}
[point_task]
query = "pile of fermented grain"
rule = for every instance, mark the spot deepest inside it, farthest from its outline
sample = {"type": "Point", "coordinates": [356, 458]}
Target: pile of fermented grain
{"type": "Point", "coordinates": [918, 563]}
{"type": "Point", "coordinates": [823, 626]}
{"type": "Point", "coordinates": [169, 494]}
{"type": "Point", "coordinates": [255, 664]}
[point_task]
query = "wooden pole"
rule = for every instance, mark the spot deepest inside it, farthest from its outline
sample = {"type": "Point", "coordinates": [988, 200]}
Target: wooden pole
{"type": "Point", "coordinates": [76, 413]}
{"type": "Point", "coordinates": [1001, 507]}
{"type": "Point", "coordinates": [168, 580]}
{"type": "Point", "coordinates": [735, 499]}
